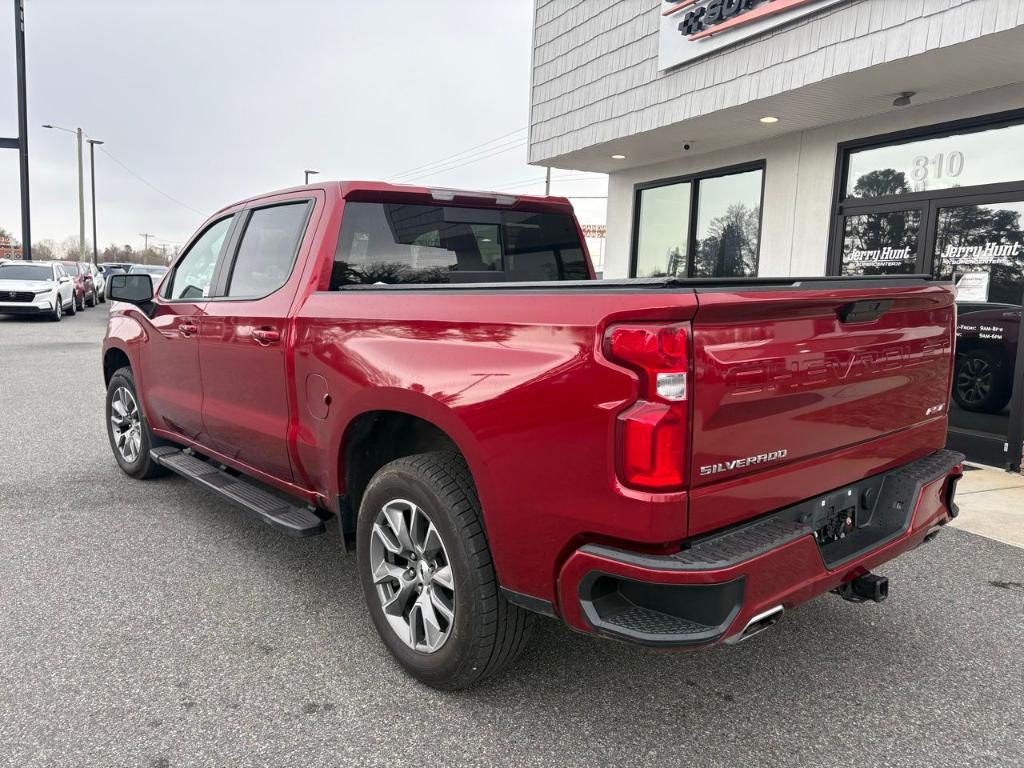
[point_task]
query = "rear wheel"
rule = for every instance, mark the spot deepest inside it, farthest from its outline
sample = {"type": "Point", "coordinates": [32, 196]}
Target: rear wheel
{"type": "Point", "coordinates": [127, 428]}
{"type": "Point", "coordinates": [428, 577]}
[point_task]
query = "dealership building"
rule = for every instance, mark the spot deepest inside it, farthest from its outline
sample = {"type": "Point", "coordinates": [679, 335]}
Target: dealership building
{"type": "Point", "coordinates": [765, 138]}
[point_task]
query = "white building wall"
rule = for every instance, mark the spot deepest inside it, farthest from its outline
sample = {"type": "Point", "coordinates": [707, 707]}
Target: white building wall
{"type": "Point", "coordinates": [595, 72]}
{"type": "Point", "coordinates": [799, 176]}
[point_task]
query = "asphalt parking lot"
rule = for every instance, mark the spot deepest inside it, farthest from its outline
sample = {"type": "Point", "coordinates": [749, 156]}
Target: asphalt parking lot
{"type": "Point", "coordinates": [147, 624]}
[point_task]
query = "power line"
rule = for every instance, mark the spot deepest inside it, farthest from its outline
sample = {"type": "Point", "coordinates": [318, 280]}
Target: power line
{"type": "Point", "coordinates": [149, 184]}
{"type": "Point", "coordinates": [419, 168]}
{"type": "Point", "coordinates": [500, 149]}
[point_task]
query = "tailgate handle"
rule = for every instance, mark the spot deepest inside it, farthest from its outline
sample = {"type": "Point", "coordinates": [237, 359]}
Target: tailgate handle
{"type": "Point", "coordinates": [863, 311]}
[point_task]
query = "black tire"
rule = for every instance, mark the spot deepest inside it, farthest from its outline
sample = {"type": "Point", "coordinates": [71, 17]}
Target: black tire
{"type": "Point", "coordinates": [103, 296]}
{"type": "Point", "coordinates": [92, 300]}
{"type": "Point", "coordinates": [981, 381]}
{"type": "Point", "coordinates": [81, 304]}
{"type": "Point", "coordinates": [143, 467]}
{"type": "Point", "coordinates": [58, 310]}
{"type": "Point", "coordinates": [73, 309]}
{"type": "Point", "coordinates": [487, 632]}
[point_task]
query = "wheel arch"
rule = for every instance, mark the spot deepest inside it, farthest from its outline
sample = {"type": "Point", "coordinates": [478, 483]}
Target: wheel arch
{"type": "Point", "coordinates": [114, 359]}
{"type": "Point", "coordinates": [374, 437]}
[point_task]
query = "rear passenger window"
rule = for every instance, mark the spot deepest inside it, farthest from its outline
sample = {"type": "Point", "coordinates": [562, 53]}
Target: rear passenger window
{"type": "Point", "coordinates": [268, 249]}
{"type": "Point", "coordinates": [393, 243]}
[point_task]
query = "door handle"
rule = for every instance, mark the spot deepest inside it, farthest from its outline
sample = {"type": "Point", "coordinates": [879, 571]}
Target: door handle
{"type": "Point", "coordinates": [188, 329]}
{"type": "Point", "coordinates": [266, 336]}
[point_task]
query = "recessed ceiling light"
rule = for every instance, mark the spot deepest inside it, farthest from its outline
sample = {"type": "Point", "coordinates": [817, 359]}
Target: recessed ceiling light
{"type": "Point", "coordinates": [768, 119]}
{"type": "Point", "coordinates": [618, 157]}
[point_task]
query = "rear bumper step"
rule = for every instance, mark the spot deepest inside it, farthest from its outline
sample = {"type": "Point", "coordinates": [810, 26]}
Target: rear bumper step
{"type": "Point", "coordinates": [733, 584]}
{"type": "Point", "coordinates": [298, 521]}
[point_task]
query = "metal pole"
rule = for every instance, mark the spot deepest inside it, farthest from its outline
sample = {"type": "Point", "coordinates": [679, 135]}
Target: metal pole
{"type": "Point", "coordinates": [547, 182]}
{"type": "Point", "coordinates": [19, 49]}
{"type": "Point", "coordinates": [92, 181]}
{"type": "Point", "coordinates": [310, 173]}
{"type": "Point", "coordinates": [81, 199]}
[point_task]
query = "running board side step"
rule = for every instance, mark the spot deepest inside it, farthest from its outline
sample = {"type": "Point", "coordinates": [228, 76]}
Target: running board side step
{"type": "Point", "coordinates": [298, 521]}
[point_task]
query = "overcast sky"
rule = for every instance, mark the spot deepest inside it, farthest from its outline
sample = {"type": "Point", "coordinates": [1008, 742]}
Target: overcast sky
{"type": "Point", "coordinates": [215, 100]}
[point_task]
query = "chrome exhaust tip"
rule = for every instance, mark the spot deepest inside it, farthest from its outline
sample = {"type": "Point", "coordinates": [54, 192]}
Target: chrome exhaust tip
{"type": "Point", "coordinates": [757, 625]}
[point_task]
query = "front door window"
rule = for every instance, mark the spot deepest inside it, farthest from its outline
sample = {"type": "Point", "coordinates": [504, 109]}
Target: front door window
{"type": "Point", "coordinates": [981, 248]}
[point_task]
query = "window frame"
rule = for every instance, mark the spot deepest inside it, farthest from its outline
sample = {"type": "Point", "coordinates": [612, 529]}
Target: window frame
{"type": "Point", "coordinates": [928, 202]}
{"type": "Point", "coordinates": [694, 180]}
{"type": "Point", "coordinates": [172, 273]}
{"type": "Point", "coordinates": [226, 264]}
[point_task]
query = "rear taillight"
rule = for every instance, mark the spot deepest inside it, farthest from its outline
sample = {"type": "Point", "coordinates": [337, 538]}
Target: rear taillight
{"type": "Point", "coordinates": [652, 433]}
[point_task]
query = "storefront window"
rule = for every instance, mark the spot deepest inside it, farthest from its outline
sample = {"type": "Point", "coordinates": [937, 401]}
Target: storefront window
{"type": "Point", "coordinates": [963, 220]}
{"type": "Point", "coordinates": [724, 241]}
{"type": "Point", "coordinates": [662, 243]}
{"type": "Point", "coordinates": [881, 243]}
{"type": "Point", "coordinates": [728, 226]}
{"type": "Point", "coordinates": [961, 160]}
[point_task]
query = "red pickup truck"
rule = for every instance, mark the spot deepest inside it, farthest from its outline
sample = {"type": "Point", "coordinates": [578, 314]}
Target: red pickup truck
{"type": "Point", "coordinates": [497, 434]}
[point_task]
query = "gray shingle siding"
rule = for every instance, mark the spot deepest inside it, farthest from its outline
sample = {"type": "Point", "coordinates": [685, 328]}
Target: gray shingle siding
{"type": "Point", "coordinates": [595, 62]}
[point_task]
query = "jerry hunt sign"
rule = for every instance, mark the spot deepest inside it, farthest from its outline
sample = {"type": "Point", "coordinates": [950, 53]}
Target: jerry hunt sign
{"type": "Point", "coordinates": [694, 28]}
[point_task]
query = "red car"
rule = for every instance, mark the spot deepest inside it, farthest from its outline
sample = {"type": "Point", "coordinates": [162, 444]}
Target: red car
{"type": "Point", "coordinates": [85, 288]}
{"type": "Point", "coordinates": [668, 462]}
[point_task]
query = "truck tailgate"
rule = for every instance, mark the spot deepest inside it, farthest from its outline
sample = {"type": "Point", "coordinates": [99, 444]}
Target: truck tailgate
{"type": "Point", "coordinates": [790, 375]}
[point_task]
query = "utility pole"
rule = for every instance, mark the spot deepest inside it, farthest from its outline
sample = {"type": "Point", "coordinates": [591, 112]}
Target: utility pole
{"type": "Point", "coordinates": [145, 236]}
{"type": "Point", "coordinates": [92, 181]}
{"type": "Point", "coordinates": [310, 173]}
{"type": "Point", "coordinates": [19, 53]}
{"type": "Point", "coordinates": [81, 198]}
{"type": "Point", "coordinates": [547, 182]}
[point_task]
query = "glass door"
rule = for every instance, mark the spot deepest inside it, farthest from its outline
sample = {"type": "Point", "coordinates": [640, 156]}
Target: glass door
{"type": "Point", "coordinates": [980, 246]}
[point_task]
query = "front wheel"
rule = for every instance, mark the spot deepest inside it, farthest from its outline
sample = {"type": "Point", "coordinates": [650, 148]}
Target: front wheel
{"type": "Point", "coordinates": [93, 300]}
{"type": "Point", "coordinates": [73, 309]}
{"type": "Point", "coordinates": [428, 577]}
{"type": "Point", "coordinates": [127, 428]}
{"type": "Point", "coordinates": [58, 309]}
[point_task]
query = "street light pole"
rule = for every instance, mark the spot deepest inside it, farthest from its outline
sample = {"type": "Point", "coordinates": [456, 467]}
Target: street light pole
{"type": "Point", "coordinates": [92, 180]}
{"type": "Point", "coordinates": [310, 173]}
{"type": "Point", "coordinates": [81, 189]}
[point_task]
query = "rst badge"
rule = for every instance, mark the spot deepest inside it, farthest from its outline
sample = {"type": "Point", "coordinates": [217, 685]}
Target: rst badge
{"type": "Point", "coordinates": [747, 461]}
{"type": "Point", "coordinates": [694, 28]}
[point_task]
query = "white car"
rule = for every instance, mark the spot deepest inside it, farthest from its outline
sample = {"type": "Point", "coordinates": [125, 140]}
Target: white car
{"type": "Point", "coordinates": [36, 288]}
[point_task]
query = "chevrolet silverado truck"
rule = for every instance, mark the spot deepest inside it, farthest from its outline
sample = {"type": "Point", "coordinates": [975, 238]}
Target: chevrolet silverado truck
{"type": "Point", "coordinates": [670, 462]}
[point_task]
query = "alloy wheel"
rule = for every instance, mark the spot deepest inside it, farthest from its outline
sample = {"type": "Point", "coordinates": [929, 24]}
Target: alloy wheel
{"type": "Point", "coordinates": [126, 421]}
{"type": "Point", "coordinates": [974, 380]}
{"type": "Point", "coordinates": [412, 575]}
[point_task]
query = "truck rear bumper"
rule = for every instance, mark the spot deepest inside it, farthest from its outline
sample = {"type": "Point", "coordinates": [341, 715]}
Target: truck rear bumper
{"type": "Point", "coordinates": [712, 590]}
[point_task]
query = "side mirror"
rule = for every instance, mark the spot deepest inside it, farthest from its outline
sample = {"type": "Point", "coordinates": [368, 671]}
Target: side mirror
{"type": "Point", "coordinates": [135, 289]}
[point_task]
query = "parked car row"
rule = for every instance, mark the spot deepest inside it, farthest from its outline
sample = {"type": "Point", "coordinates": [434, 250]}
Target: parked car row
{"type": "Point", "coordinates": [55, 288]}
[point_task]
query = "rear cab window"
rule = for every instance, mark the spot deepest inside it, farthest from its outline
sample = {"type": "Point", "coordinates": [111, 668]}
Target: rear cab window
{"type": "Point", "coordinates": [395, 243]}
